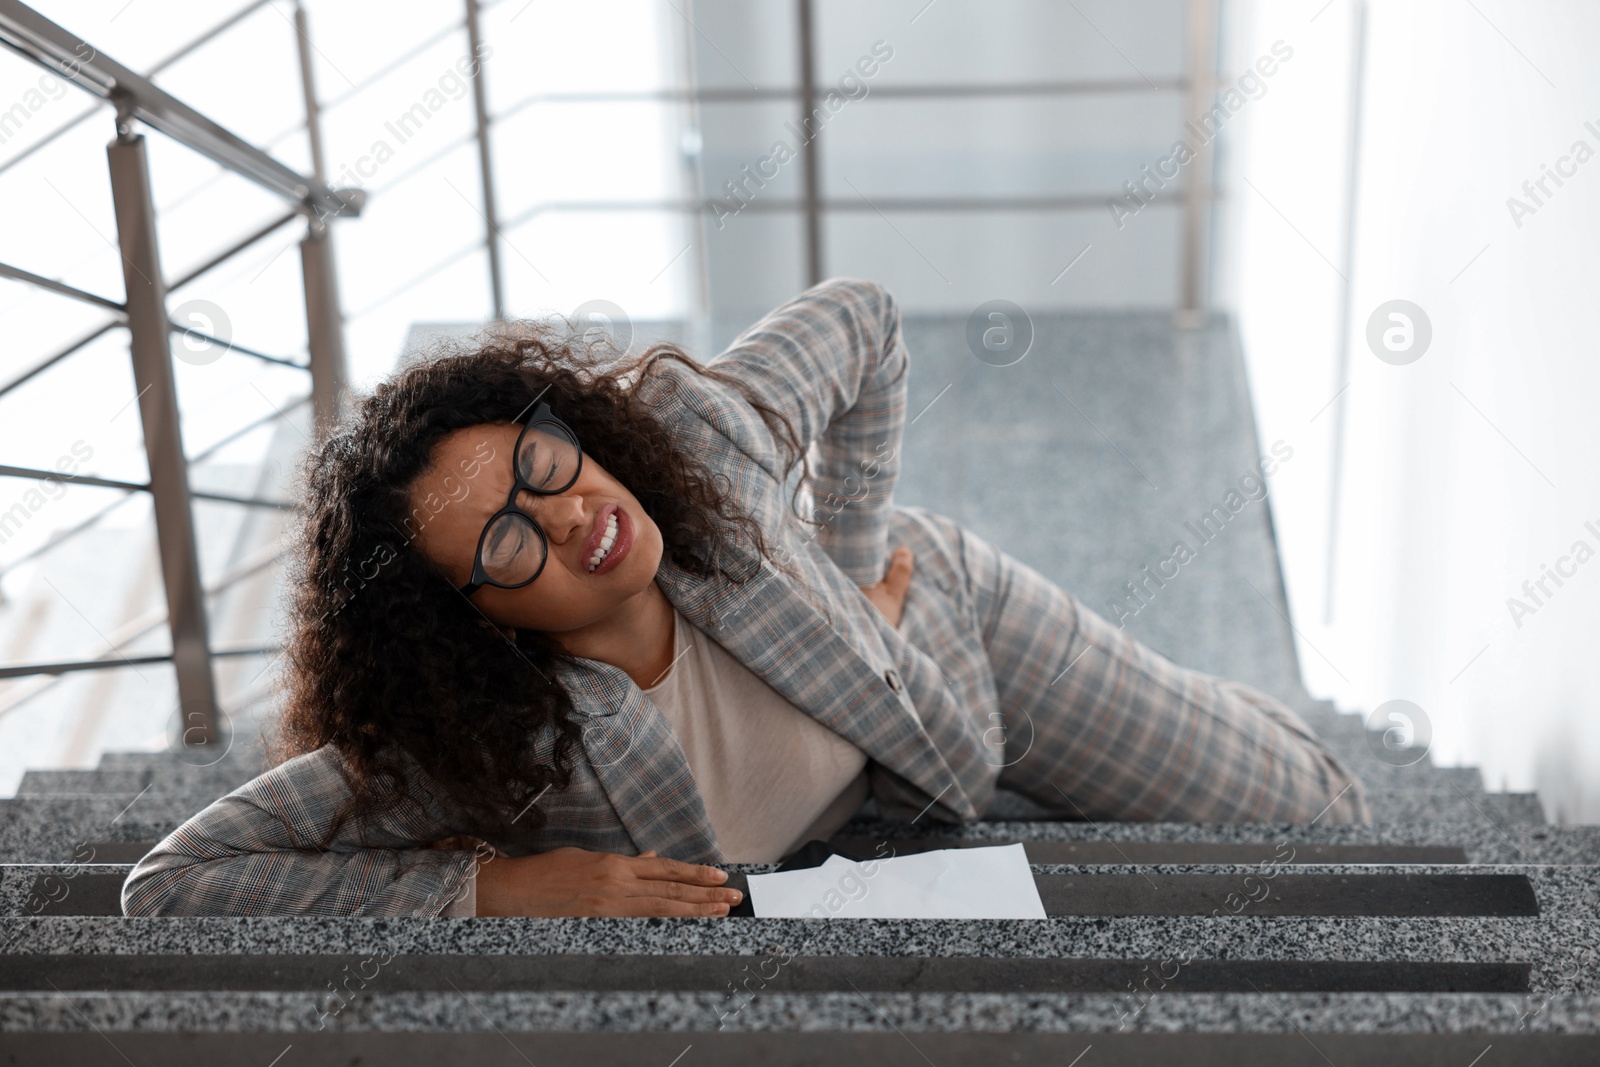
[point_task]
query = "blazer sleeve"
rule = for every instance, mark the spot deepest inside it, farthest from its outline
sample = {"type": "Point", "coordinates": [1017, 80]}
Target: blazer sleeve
{"type": "Point", "coordinates": [831, 360]}
{"type": "Point", "coordinates": [254, 852]}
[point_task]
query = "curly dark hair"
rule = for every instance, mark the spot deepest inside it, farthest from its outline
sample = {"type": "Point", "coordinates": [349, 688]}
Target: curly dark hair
{"type": "Point", "coordinates": [386, 660]}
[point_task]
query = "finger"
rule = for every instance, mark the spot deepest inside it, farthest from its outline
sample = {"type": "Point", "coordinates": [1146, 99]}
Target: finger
{"type": "Point", "coordinates": [641, 907]}
{"type": "Point", "coordinates": [678, 871]}
{"type": "Point", "coordinates": [681, 891]}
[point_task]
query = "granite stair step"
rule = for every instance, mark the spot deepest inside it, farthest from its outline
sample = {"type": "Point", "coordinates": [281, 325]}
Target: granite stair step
{"type": "Point", "coordinates": [1539, 954]}
{"type": "Point", "coordinates": [119, 771]}
{"type": "Point", "coordinates": [895, 1030]}
{"type": "Point", "coordinates": [50, 830]}
{"type": "Point", "coordinates": [74, 818]}
{"type": "Point", "coordinates": [1172, 889]}
{"type": "Point", "coordinates": [1495, 979]}
{"type": "Point", "coordinates": [1423, 804]}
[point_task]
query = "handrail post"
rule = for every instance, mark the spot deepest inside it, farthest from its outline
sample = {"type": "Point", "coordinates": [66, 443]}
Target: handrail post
{"type": "Point", "coordinates": [149, 333]}
{"type": "Point", "coordinates": [491, 215]}
{"type": "Point", "coordinates": [1202, 64]}
{"type": "Point", "coordinates": [811, 175]}
{"type": "Point", "coordinates": [318, 272]}
{"type": "Point", "coordinates": [324, 325]}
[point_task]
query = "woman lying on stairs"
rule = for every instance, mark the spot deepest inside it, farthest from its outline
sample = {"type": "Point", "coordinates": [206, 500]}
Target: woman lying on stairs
{"type": "Point", "coordinates": [560, 643]}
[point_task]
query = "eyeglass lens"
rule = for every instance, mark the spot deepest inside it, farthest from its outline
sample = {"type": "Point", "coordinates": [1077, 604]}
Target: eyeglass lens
{"type": "Point", "coordinates": [513, 552]}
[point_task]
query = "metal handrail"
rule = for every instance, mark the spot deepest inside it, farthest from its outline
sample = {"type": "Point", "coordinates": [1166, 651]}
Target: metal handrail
{"type": "Point", "coordinates": [73, 124]}
{"type": "Point", "coordinates": [136, 99]}
{"type": "Point", "coordinates": [53, 47]}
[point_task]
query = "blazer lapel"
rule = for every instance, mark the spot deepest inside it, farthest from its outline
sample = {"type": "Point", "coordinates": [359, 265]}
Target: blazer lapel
{"type": "Point", "coordinates": [640, 764]}
{"type": "Point", "coordinates": [774, 631]}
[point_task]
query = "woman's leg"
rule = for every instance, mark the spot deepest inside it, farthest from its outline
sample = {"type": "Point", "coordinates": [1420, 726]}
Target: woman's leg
{"type": "Point", "coordinates": [1099, 725]}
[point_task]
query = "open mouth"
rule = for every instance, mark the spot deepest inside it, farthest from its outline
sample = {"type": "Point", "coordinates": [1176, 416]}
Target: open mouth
{"type": "Point", "coordinates": [611, 546]}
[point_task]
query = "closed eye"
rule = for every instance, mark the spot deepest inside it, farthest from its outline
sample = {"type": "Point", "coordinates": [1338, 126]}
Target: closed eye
{"type": "Point", "coordinates": [506, 541]}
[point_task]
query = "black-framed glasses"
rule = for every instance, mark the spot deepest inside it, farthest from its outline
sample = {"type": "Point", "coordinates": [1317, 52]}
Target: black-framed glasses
{"type": "Point", "coordinates": [512, 549]}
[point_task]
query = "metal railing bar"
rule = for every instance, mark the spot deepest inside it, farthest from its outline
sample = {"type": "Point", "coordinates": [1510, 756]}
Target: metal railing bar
{"type": "Point", "coordinates": [37, 475]}
{"type": "Point", "coordinates": [199, 457]}
{"type": "Point", "coordinates": [249, 427]}
{"type": "Point", "coordinates": [186, 279]}
{"type": "Point", "coordinates": [178, 327]}
{"type": "Point", "coordinates": [54, 48]}
{"type": "Point", "coordinates": [233, 250]}
{"type": "Point", "coordinates": [28, 670]}
{"type": "Point", "coordinates": [61, 288]}
{"type": "Point", "coordinates": [243, 501]}
{"type": "Point", "coordinates": [136, 628]}
{"type": "Point", "coordinates": [932, 204]}
{"type": "Point", "coordinates": [204, 38]}
{"type": "Point", "coordinates": [59, 356]}
{"type": "Point", "coordinates": [903, 204]}
{"type": "Point", "coordinates": [743, 95]}
{"type": "Point", "coordinates": [393, 65]}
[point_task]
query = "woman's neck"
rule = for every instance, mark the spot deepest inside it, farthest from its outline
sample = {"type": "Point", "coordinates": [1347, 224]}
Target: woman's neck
{"type": "Point", "coordinates": [637, 637]}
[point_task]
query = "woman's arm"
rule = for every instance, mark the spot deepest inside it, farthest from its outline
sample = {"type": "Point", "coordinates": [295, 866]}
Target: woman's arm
{"type": "Point", "coordinates": [831, 360]}
{"type": "Point", "coordinates": [254, 852]}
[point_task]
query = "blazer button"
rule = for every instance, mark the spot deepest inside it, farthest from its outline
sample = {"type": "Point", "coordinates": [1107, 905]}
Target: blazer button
{"type": "Point", "coordinates": [893, 679]}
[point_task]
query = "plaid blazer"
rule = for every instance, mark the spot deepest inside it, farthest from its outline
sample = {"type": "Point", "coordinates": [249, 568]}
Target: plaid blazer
{"type": "Point", "coordinates": [832, 361]}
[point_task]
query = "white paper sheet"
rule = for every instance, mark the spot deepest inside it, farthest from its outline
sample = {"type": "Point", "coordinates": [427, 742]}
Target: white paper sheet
{"type": "Point", "coordinates": [950, 883]}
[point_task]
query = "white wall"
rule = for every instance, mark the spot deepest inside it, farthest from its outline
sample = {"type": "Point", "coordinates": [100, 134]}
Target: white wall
{"type": "Point", "coordinates": [1470, 469]}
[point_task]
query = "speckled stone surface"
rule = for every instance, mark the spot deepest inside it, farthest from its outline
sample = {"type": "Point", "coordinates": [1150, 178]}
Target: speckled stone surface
{"type": "Point", "coordinates": [909, 1012]}
{"type": "Point", "coordinates": [1484, 841]}
{"type": "Point", "coordinates": [1432, 803]}
{"type": "Point", "coordinates": [27, 839]}
{"type": "Point", "coordinates": [1558, 943]}
{"type": "Point", "coordinates": [21, 895]}
{"type": "Point", "coordinates": [46, 828]}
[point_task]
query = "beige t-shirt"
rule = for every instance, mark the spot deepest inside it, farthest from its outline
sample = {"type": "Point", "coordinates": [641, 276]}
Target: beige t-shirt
{"type": "Point", "coordinates": [771, 776]}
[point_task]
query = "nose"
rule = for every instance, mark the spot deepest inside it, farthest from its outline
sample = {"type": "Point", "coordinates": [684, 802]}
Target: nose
{"type": "Point", "coordinates": [560, 515]}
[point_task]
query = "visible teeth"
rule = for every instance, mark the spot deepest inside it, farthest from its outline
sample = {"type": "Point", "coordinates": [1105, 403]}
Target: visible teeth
{"type": "Point", "coordinates": [606, 542]}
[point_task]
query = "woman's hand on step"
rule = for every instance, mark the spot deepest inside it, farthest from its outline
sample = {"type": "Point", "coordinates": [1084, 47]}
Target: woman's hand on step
{"type": "Point", "coordinates": [578, 882]}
